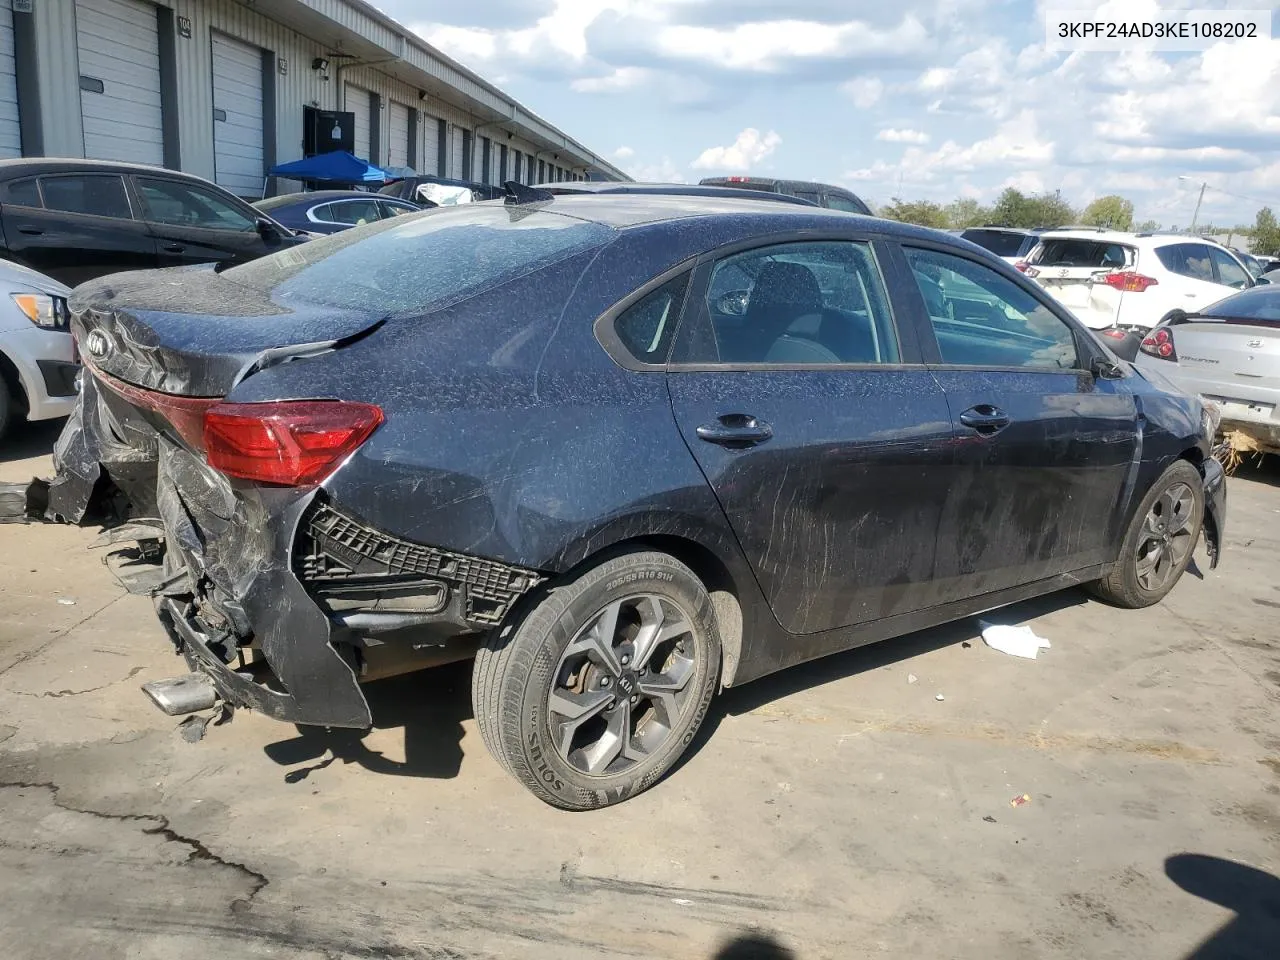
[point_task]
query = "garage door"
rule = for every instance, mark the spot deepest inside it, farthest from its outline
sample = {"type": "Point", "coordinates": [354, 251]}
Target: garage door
{"type": "Point", "coordinates": [430, 160]}
{"type": "Point", "coordinates": [237, 116]}
{"type": "Point", "coordinates": [10, 137]}
{"type": "Point", "coordinates": [119, 55]}
{"type": "Point", "coordinates": [398, 121]}
{"type": "Point", "coordinates": [358, 104]}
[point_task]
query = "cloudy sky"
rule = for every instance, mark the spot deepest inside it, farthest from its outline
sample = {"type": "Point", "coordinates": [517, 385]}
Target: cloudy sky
{"type": "Point", "coordinates": [915, 98]}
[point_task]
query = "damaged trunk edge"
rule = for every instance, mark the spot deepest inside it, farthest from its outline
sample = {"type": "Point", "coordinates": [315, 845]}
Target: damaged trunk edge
{"type": "Point", "coordinates": [284, 602]}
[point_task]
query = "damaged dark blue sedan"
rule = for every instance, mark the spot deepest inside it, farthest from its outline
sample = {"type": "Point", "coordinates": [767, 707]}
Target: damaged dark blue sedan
{"type": "Point", "coordinates": [624, 450]}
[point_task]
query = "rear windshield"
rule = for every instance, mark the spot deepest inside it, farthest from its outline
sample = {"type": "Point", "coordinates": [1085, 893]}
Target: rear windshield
{"type": "Point", "coordinates": [768, 186]}
{"type": "Point", "coordinates": [1070, 252]}
{"type": "Point", "coordinates": [1000, 242]}
{"type": "Point", "coordinates": [421, 261]}
{"type": "Point", "coordinates": [1260, 303]}
{"type": "Point", "coordinates": [283, 200]}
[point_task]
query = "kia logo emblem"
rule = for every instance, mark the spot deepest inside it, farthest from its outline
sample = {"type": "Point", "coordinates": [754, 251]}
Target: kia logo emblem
{"type": "Point", "coordinates": [97, 345]}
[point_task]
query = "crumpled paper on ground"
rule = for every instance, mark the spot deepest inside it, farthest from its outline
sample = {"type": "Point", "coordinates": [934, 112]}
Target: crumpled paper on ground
{"type": "Point", "coordinates": [1015, 641]}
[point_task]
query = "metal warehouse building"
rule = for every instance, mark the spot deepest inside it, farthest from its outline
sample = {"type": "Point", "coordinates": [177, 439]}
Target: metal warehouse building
{"type": "Point", "coordinates": [227, 88]}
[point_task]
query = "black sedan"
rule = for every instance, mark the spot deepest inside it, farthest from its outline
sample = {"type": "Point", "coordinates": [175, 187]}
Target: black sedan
{"type": "Point", "coordinates": [332, 211]}
{"type": "Point", "coordinates": [634, 448]}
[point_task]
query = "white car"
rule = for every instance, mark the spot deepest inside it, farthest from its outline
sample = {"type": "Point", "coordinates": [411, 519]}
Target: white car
{"type": "Point", "coordinates": [38, 367]}
{"type": "Point", "coordinates": [1132, 281]}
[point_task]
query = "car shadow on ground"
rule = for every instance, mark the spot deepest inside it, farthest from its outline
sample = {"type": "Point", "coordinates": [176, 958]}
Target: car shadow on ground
{"type": "Point", "coordinates": [753, 946]}
{"type": "Point", "coordinates": [1259, 469]}
{"type": "Point", "coordinates": [756, 694]}
{"type": "Point", "coordinates": [27, 440]}
{"type": "Point", "coordinates": [429, 706]}
{"type": "Point", "coordinates": [1251, 894]}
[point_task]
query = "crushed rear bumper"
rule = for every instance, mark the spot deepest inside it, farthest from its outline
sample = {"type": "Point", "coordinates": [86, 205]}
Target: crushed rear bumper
{"type": "Point", "coordinates": [1215, 507]}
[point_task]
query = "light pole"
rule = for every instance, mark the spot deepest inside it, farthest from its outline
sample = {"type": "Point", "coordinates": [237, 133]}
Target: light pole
{"type": "Point", "coordinates": [1196, 215]}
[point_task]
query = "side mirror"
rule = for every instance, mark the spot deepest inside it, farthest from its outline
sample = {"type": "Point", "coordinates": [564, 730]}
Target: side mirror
{"type": "Point", "coordinates": [268, 230]}
{"type": "Point", "coordinates": [1103, 368]}
{"type": "Point", "coordinates": [734, 303]}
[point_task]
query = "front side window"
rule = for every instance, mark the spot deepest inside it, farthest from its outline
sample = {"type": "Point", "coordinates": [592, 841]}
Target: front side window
{"type": "Point", "coordinates": [837, 202]}
{"type": "Point", "coordinates": [798, 303]}
{"type": "Point", "coordinates": [389, 209]}
{"type": "Point", "coordinates": [189, 205]}
{"type": "Point", "coordinates": [983, 319]}
{"type": "Point", "coordinates": [95, 194]}
{"type": "Point", "coordinates": [1229, 271]}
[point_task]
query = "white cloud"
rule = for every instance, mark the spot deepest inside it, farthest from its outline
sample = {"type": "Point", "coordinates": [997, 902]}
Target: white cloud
{"type": "Point", "coordinates": [662, 172]}
{"type": "Point", "coordinates": [623, 78]}
{"type": "Point", "coordinates": [905, 135]}
{"type": "Point", "coordinates": [744, 153]}
{"type": "Point", "coordinates": [864, 92]}
{"type": "Point", "coordinates": [624, 153]}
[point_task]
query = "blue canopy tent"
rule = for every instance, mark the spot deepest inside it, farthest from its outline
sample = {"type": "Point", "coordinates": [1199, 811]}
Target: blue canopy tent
{"type": "Point", "coordinates": [338, 167]}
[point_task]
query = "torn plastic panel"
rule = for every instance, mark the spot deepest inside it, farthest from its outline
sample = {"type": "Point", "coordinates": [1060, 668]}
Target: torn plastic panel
{"type": "Point", "coordinates": [311, 590]}
{"type": "Point", "coordinates": [343, 560]}
{"type": "Point", "coordinates": [1215, 507]}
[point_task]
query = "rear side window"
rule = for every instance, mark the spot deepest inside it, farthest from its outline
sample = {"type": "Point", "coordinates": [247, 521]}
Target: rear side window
{"type": "Point", "coordinates": [409, 265]}
{"type": "Point", "coordinates": [813, 196]}
{"type": "Point", "coordinates": [1194, 260]}
{"type": "Point", "coordinates": [95, 194]}
{"type": "Point", "coordinates": [646, 328]}
{"type": "Point", "coordinates": [1071, 252]}
{"type": "Point", "coordinates": [797, 304]}
{"type": "Point", "coordinates": [354, 212]}
{"type": "Point", "coordinates": [1000, 242]}
{"type": "Point", "coordinates": [23, 193]}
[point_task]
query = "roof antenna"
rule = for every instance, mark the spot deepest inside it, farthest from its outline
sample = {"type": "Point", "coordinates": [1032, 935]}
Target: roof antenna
{"type": "Point", "coordinates": [519, 194]}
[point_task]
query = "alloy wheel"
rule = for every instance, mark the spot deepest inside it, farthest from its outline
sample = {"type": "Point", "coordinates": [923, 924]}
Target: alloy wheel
{"type": "Point", "coordinates": [622, 684]}
{"type": "Point", "coordinates": [1166, 537]}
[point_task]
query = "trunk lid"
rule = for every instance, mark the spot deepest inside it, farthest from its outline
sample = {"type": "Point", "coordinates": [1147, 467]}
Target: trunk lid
{"type": "Point", "coordinates": [194, 332]}
{"type": "Point", "coordinates": [1234, 362]}
{"type": "Point", "coordinates": [1073, 271]}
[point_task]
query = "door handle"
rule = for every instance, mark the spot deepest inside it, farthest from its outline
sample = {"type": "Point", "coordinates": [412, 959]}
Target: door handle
{"type": "Point", "coordinates": [735, 430]}
{"type": "Point", "coordinates": [174, 247]}
{"type": "Point", "coordinates": [31, 231]}
{"type": "Point", "coordinates": [985, 418]}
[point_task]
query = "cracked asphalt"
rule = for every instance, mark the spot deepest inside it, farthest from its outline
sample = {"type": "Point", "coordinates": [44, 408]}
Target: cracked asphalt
{"type": "Point", "coordinates": [834, 811]}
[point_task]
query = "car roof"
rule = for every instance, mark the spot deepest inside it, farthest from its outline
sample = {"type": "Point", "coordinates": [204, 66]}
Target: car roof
{"type": "Point", "coordinates": [1154, 239]}
{"type": "Point", "coordinates": [631, 210]}
{"type": "Point", "coordinates": [322, 196]}
{"type": "Point", "coordinates": [32, 166]}
{"type": "Point", "coordinates": [612, 188]}
{"type": "Point", "coordinates": [995, 229]}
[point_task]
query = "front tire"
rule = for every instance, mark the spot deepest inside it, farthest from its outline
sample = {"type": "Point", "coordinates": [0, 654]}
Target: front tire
{"type": "Point", "coordinates": [595, 693]}
{"type": "Point", "coordinates": [1159, 542]}
{"type": "Point", "coordinates": [7, 408]}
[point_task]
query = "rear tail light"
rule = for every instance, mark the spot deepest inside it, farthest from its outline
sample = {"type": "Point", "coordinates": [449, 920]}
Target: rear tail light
{"type": "Point", "coordinates": [293, 443]}
{"type": "Point", "coordinates": [1159, 344]}
{"type": "Point", "coordinates": [185, 414]}
{"type": "Point", "coordinates": [1127, 281]}
{"type": "Point", "coordinates": [1115, 333]}
{"type": "Point", "coordinates": [1021, 266]}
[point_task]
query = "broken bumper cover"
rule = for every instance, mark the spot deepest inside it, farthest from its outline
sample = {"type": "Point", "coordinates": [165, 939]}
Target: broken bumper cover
{"type": "Point", "coordinates": [1215, 507]}
{"type": "Point", "coordinates": [309, 588]}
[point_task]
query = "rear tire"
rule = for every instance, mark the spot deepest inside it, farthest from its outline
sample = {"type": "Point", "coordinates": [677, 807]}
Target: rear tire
{"type": "Point", "coordinates": [1159, 542]}
{"type": "Point", "coordinates": [596, 691]}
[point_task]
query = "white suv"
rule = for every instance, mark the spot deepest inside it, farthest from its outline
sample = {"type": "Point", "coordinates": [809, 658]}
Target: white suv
{"type": "Point", "coordinates": [1132, 281]}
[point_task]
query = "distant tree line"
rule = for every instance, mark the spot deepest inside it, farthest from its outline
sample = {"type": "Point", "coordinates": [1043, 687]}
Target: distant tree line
{"type": "Point", "coordinates": [1013, 208]}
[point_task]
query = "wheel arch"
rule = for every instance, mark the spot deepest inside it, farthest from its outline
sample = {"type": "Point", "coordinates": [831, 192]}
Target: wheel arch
{"type": "Point", "coordinates": [13, 380]}
{"type": "Point", "coordinates": [729, 582]}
